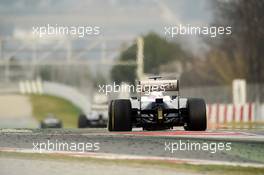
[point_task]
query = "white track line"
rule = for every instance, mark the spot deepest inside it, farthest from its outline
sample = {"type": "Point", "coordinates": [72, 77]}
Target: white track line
{"type": "Point", "coordinates": [9, 130]}
{"type": "Point", "coordinates": [110, 156]}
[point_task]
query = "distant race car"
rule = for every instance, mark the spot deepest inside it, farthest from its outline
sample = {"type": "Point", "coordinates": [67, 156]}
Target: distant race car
{"type": "Point", "coordinates": [94, 120]}
{"type": "Point", "coordinates": [51, 122]}
{"type": "Point", "coordinates": [97, 117]}
{"type": "Point", "coordinates": [158, 106]}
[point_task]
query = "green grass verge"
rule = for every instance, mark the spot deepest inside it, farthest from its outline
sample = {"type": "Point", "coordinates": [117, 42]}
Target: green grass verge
{"type": "Point", "coordinates": [62, 109]}
{"type": "Point", "coordinates": [203, 169]}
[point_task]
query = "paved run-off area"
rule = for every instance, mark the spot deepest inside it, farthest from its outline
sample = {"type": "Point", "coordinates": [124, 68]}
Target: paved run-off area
{"type": "Point", "coordinates": [11, 164]}
{"type": "Point", "coordinates": [16, 112]}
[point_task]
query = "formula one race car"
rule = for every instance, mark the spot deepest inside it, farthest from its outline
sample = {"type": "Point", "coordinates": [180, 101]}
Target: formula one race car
{"type": "Point", "coordinates": [97, 117]}
{"type": "Point", "coordinates": [157, 106]}
{"type": "Point", "coordinates": [51, 122]}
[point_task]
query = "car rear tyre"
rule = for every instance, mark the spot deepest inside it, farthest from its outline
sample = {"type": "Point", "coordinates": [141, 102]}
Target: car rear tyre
{"type": "Point", "coordinates": [109, 123]}
{"type": "Point", "coordinates": [42, 125]}
{"type": "Point", "coordinates": [196, 115]}
{"type": "Point", "coordinates": [120, 115]}
{"type": "Point", "coordinates": [59, 125]}
{"type": "Point", "coordinates": [82, 121]}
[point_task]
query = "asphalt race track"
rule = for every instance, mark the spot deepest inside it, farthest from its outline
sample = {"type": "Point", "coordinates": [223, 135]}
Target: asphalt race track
{"type": "Point", "coordinates": [245, 147]}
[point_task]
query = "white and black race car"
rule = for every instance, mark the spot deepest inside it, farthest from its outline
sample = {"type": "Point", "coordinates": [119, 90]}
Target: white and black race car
{"type": "Point", "coordinates": [158, 106]}
{"type": "Point", "coordinates": [51, 122]}
{"type": "Point", "coordinates": [97, 117]}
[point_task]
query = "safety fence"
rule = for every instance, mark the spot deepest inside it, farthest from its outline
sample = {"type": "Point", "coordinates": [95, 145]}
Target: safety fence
{"type": "Point", "coordinates": [223, 115]}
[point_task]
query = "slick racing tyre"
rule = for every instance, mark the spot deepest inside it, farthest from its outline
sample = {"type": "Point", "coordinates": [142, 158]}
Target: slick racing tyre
{"type": "Point", "coordinates": [196, 115]}
{"type": "Point", "coordinates": [59, 125]}
{"type": "Point", "coordinates": [42, 125]}
{"type": "Point", "coordinates": [109, 123]}
{"type": "Point", "coordinates": [82, 121]}
{"type": "Point", "coordinates": [120, 115]}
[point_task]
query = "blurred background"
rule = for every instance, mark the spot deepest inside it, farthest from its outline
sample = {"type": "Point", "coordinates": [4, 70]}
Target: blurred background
{"type": "Point", "coordinates": [61, 74]}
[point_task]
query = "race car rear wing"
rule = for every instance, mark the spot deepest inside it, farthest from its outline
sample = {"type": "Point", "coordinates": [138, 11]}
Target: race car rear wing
{"type": "Point", "coordinates": [159, 85]}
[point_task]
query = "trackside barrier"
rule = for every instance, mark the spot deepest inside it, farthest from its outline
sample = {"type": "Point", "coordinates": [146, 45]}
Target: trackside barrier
{"type": "Point", "coordinates": [31, 87]}
{"type": "Point", "coordinates": [56, 89]}
{"type": "Point", "coordinates": [221, 114]}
